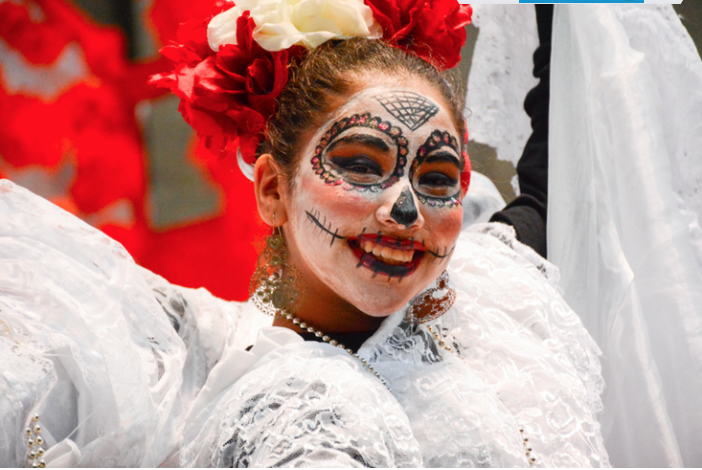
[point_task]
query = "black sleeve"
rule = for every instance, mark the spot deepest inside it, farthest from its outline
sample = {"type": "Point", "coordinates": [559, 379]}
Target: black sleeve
{"type": "Point", "coordinates": [527, 213]}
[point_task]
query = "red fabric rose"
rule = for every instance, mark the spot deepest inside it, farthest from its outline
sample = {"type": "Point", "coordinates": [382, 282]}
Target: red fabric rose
{"type": "Point", "coordinates": [226, 96]}
{"type": "Point", "coordinates": [432, 29]}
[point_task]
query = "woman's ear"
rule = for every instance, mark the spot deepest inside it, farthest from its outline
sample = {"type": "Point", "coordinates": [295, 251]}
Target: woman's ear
{"type": "Point", "coordinates": [269, 186]}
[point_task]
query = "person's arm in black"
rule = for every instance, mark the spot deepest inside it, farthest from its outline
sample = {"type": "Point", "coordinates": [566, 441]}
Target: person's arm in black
{"type": "Point", "coordinates": [527, 213]}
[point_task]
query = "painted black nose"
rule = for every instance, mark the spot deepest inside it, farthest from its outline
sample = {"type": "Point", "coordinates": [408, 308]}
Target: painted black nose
{"type": "Point", "coordinates": [404, 211]}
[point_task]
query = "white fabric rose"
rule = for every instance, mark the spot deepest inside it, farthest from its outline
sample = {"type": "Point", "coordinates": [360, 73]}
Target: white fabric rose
{"type": "Point", "coordinates": [284, 23]}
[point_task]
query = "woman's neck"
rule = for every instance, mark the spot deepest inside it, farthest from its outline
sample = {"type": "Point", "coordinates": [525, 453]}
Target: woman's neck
{"type": "Point", "coordinates": [331, 317]}
{"type": "Point", "coordinates": [327, 312]}
{"type": "Point", "coordinates": [322, 307]}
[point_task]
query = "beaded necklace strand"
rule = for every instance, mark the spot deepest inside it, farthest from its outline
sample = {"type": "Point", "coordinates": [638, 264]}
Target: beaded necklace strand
{"type": "Point", "coordinates": [320, 334]}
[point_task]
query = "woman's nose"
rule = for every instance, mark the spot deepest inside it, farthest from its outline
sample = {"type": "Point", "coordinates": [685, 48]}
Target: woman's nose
{"type": "Point", "coordinates": [401, 210]}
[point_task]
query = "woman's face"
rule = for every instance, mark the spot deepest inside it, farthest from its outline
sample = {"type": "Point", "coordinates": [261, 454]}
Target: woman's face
{"type": "Point", "coordinates": [376, 209]}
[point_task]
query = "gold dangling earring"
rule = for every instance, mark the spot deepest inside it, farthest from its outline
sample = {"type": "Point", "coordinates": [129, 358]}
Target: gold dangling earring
{"type": "Point", "coordinates": [276, 287]}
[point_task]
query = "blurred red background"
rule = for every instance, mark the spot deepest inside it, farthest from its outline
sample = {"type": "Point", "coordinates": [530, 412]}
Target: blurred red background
{"type": "Point", "coordinates": [75, 119]}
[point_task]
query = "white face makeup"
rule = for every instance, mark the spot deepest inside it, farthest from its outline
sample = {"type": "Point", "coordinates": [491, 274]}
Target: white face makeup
{"type": "Point", "coordinates": [376, 211]}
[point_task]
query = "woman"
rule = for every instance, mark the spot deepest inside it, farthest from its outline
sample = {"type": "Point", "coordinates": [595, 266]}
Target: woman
{"type": "Point", "coordinates": [432, 346]}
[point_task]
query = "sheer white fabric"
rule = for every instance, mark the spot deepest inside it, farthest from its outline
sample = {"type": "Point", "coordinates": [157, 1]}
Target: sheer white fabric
{"type": "Point", "coordinates": [302, 405]}
{"type": "Point", "coordinates": [127, 370]}
{"type": "Point", "coordinates": [626, 164]}
{"type": "Point", "coordinates": [107, 353]}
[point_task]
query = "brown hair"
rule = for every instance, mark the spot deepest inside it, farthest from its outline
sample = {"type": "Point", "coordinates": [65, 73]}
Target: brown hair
{"type": "Point", "coordinates": [326, 72]}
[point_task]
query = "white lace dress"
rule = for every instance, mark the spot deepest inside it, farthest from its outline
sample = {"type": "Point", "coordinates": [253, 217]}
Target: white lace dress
{"type": "Point", "coordinates": [125, 369]}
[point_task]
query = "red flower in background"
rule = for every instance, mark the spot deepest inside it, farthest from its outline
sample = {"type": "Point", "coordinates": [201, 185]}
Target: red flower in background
{"type": "Point", "coordinates": [69, 99]}
{"type": "Point", "coordinates": [432, 29]}
{"type": "Point", "coordinates": [230, 93]}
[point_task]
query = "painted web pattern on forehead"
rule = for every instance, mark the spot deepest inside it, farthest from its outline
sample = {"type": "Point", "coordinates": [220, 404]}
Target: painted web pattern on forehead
{"type": "Point", "coordinates": [409, 108]}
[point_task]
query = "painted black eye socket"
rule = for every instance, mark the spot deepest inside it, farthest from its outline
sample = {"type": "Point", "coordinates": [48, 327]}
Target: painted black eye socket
{"type": "Point", "coordinates": [361, 165]}
{"type": "Point", "coordinates": [435, 178]}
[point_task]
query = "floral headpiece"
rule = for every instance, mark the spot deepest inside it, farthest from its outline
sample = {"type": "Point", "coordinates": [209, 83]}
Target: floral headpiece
{"type": "Point", "coordinates": [231, 67]}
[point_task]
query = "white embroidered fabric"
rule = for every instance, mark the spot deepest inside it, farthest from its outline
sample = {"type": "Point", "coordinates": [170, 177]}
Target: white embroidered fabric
{"type": "Point", "coordinates": [523, 361]}
{"type": "Point", "coordinates": [125, 369]}
{"type": "Point", "coordinates": [303, 405]}
{"type": "Point", "coordinates": [625, 178]}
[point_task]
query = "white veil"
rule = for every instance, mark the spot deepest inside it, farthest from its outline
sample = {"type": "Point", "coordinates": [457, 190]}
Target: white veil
{"type": "Point", "coordinates": [625, 185]}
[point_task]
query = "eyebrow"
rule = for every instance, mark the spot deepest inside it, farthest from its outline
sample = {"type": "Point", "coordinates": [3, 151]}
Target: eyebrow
{"type": "Point", "coordinates": [360, 139]}
{"type": "Point", "coordinates": [443, 157]}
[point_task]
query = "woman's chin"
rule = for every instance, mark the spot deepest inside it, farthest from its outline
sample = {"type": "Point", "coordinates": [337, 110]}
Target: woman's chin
{"type": "Point", "coordinates": [379, 300]}
{"type": "Point", "coordinates": [380, 311]}
{"type": "Point", "coordinates": [379, 295]}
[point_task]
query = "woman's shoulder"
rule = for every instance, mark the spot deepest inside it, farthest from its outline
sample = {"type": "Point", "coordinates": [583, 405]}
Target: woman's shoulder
{"type": "Point", "coordinates": [498, 242]}
{"type": "Point", "coordinates": [493, 272]}
{"type": "Point", "coordinates": [508, 300]}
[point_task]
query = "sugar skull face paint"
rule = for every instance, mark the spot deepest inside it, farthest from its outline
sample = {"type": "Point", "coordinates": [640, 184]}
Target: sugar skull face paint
{"type": "Point", "coordinates": [438, 188]}
{"type": "Point", "coordinates": [361, 129]}
{"type": "Point", "coordinates": [408, 107]}
{"type": "Point", "coordinates": [376, 210]}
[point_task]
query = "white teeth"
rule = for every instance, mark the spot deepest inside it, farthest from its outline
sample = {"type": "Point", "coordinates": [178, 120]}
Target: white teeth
{"type": "Point", "coordinates": [387, 254]}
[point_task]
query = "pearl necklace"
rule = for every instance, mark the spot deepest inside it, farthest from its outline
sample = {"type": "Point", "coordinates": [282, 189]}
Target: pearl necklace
{"type": "Point", "coordinates": [527, 448]}
{"type": "Point", "coordinates": [34, 442]}
{"type": "Point", "coordinates": [438, 338]}
{"type": "Point", "coordinates": [327, 339]}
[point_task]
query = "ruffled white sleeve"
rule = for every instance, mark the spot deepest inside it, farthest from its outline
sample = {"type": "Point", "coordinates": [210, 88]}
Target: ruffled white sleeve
{"type": "Point", "coordinates": [108, 355]}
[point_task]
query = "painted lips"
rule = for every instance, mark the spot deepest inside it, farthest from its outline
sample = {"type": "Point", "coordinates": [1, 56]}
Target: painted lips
{"type": "Point", "coordinates": [386, 255]}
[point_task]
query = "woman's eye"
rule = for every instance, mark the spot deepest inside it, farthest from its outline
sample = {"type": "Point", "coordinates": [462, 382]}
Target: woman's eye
{"type": "Point", "coordinates": [436, 179]}
{"type": "Point", "coordinates": [361, 165]}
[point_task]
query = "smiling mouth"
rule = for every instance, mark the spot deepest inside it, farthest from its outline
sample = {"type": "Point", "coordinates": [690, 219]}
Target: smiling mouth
{"type": "Point", "coordinates": [385, 255]}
